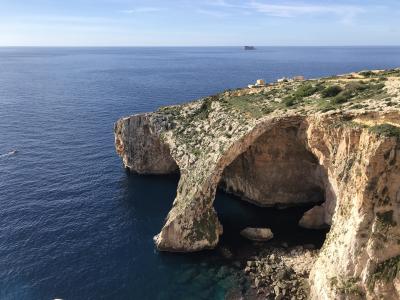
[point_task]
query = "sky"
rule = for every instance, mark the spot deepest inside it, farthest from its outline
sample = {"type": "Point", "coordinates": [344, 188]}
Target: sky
{"type": "Point", "coordinates": [199, 23]}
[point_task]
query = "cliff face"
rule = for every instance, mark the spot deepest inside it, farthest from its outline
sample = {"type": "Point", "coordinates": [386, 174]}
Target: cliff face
{"type": "Point", "coordinates": [139, 145]}
{"type": "Point", "coordinates": [363, 172]}
{"type": "Point", "coordinates": [277, 169]}
{"type": "Point", "coordinates": [287, 144]}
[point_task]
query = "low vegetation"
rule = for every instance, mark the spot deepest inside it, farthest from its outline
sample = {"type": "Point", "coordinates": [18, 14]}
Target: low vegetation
{"type": "Point", "coordinates": [300, 93]}
{"type": "Point", "coordinates": [367, 74]}
{"type": "Point", "coordinates": [247, 105]}
{"type": "Point", "coordinates": [347, 286]}
{"type": "Point", "coordinates": [205, 108]}
{"type": "Point", "coordinates": [335, 95]}
{"type": "Point", "coordinates": [325, 94]}
{"type": "Point", "coordinates": [386, 130]}
{"type": "Point", "coordinates": [331, 96]}
{"type": "Point", "coordinates": [244, 105]}
{"type": "Point", "coordinates": [331, 91]}
{"type": "Point", "coordinates": [385, 271]}
{"type": "Point", "coordinates": [306, 90]}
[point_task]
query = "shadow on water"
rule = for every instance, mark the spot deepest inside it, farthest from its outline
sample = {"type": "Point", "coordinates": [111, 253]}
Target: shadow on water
{"type": "Point", "coordinates": [203, 275]}
{"type": "Point", "coordinates": [207, 274]}
{"type": "Point", "coordinates": [236, 214]}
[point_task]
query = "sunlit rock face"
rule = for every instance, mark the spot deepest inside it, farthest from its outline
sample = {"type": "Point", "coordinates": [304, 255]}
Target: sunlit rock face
{"type": "Point", "coordinates": [137, 142]}
{"type": "Point", "coordinates": [314, 218]}
{"type": "Point", "coordinates": [277, 169]}
{"type": "Point", "coordinates": [273, 150]}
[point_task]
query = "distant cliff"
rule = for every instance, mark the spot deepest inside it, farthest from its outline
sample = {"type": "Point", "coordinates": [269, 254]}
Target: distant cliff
{"type": "Point", "coordinates": [334, 139]}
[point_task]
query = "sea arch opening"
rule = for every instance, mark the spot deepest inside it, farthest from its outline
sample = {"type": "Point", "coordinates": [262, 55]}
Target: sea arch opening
{"type": "Point", "coordinates": [282, 184]}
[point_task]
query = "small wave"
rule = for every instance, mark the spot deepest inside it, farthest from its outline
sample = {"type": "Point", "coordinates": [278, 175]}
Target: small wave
{"type": "Point", "coordinates": [13, 152]}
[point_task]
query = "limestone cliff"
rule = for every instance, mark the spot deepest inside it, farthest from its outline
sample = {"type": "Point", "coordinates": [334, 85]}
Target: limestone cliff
{"type": "Point", "coordinates": [138, 144]}
{"type": "Point", "coordinates": [332, 140]}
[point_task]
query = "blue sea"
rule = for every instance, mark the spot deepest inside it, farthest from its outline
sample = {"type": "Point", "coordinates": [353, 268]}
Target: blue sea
{"type": "Point", "coordinates": [73, 223]}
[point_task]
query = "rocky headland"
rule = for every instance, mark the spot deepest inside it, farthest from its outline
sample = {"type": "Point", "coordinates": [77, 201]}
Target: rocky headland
{"type": "Point", "coordinates": [334, 141]}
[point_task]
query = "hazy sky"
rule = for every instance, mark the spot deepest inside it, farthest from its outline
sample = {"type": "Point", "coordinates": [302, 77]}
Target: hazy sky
{"type": "Point", "coordinates": [199, 23]}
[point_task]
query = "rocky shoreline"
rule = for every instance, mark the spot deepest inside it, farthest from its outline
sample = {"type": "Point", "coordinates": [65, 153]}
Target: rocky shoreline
{"type": "Point", "coordinates": [274, 272]}
{"type": "Point", "coordinates": [333, 140]}
{"type": "Point", "coordinates": [279, 273]}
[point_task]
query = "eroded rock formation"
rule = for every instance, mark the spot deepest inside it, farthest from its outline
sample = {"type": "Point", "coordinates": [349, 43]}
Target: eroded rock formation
{"type": "Point", "coordinates": [277, 169]}
{"type": "Point", "coordinates": [137, 142]}
{"type": "Point", "coordinates": [287, 144]}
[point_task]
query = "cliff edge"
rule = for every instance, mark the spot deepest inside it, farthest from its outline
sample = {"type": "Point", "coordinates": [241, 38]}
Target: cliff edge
{"type": "Point", "coordinates": [333, 139]}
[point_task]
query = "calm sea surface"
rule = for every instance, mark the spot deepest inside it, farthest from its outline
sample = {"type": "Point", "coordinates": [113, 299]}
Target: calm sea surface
{"type": "Point", "coordinates": [73, 223]}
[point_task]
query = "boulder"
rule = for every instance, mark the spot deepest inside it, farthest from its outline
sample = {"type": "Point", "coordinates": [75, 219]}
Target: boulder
{"type": "Point", "coordinates": [257, 234]}
{"type": "Point", "coordinates": [313, 218]}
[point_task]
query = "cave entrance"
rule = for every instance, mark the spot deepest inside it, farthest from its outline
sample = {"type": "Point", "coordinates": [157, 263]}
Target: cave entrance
{"type": "Point", "coordinates": [279, 180]}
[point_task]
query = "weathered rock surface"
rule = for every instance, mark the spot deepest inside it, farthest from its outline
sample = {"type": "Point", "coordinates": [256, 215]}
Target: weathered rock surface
{"type": "Point", "coordinates": [287, 144]}
{"type": "Point", "coordinates": [314, 218]}
{"type": "Point", "coordinates": [281, 273]}
{"type": "Point", "coordinates": [137, 142]}
{"type": "Point", "coordinates": [277, 169]}
{"type": "Point", "coordinates": [257, 234]}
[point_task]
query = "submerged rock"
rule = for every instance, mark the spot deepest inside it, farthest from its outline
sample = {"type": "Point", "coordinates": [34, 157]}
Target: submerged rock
{"type": "Point", "coordinates": [257, 234]}
{"type": "Point", "coordinates": [225, 252]}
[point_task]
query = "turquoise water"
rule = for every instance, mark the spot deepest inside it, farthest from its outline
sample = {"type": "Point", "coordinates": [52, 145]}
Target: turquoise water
{"type": "Point", "coordinates": [73, 223]}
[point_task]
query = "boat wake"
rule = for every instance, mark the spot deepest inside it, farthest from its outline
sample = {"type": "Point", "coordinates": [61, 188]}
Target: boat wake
{"type": "Point", "coordinates": [11, 153]}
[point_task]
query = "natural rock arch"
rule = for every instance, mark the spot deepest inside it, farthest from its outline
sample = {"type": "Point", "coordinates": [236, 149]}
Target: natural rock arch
{"type": "Point", "coordinates": [277, 170]}
{"type": "Point", "coordinates": [361, 175]}
{"type": "Point", "coordinates": [352, 160]}
{"type": "Point", "coordinates": [193, 206]}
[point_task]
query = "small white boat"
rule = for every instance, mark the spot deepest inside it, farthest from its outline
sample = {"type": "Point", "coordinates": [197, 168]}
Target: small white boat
{"type": "Point", "coordinates": [12, 152]}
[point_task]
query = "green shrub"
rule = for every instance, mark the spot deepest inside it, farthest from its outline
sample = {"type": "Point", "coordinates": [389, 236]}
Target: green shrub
{"type": "Point", "coordinates": [340, 99]}
{"type": "Point", "coordinates": [343, 97]}
{"type": "Point", "coordinates": [367, 73]}
{"type": "Point", "coordinates": [386, 130]}
{"type": "Point", "coordinates": [354, 87]}
{"type": "Point", "coordinates": [289, 101]}
{"type": "Point", "coordinates": [246, 104]}
{"type": "Point", "coordinates": [386, 271]}
{"type": "Point", "coordinates": [196, 152]}
{"type": "Point", "coordinates": [205, 108]}
{"type": "Point", "coordinates": [331, 91]}
{"type": "Point", "coordinates": [358, 106]}
{"type": "Point", "coordinates": [377, 87]}
{"type": "Point", "coordinates": [328, 108]}
{"type": "Point", "coordinates": [306, 91]}
{"type": "Point", "coordinates": [350, 90]}
{"type": "Point", "coordinates": [267, 110]}
{"type": "Point", "coordinates": [303, 91]}
{"type": "Point", "coordinates": [394, 72]}
{"type": "Point", "coordinates": [349, 286]}
{"type": "Point", "coordinates": [382, 78]}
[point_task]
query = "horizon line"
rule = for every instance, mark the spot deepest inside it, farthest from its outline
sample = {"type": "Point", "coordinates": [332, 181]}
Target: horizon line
{"type": "Point", "coordinates": [185, 46]}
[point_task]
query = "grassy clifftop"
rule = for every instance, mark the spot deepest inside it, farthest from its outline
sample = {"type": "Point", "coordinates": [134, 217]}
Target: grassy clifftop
{"type": "Point", "coordinates": [368, 90]}
{"type": "Point", "coordinates": [230, 112]}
